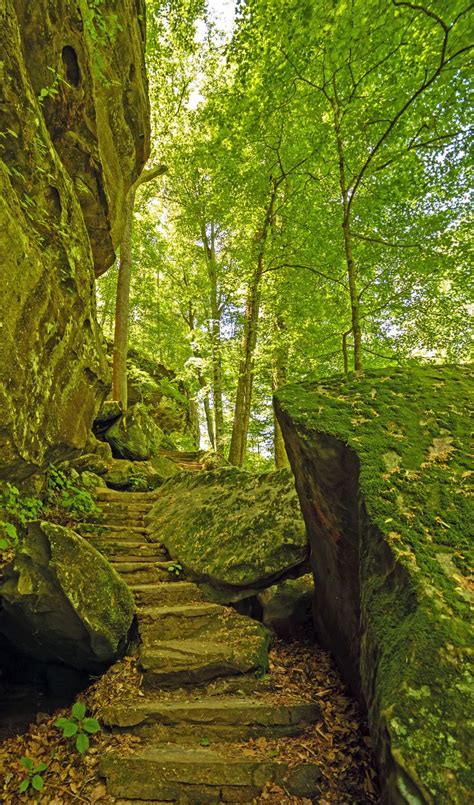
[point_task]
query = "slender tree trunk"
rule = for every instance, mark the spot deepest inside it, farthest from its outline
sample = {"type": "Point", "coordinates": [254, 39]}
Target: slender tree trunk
{"type": "Point", "coordinates": [279, 379]}
{"type": "Point", "coordinates": [216, 347]}
{"type": "Point", "coordinates": [191, 322]}
{"type": "Point", "coordinates": [345, 355]}
{"type": "Point", "coordinates": [347, 237]}
{"type": "Point", "coordinates": [243, 400]}
{"type": "Point", "coordinates": [119, 364]}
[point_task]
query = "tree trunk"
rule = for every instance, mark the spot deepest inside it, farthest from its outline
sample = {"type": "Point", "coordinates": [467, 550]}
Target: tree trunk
{"type": "Point", "coordinates": [345, 355]}
{"type": "Point", "coordinates": [119, 363]}
{"type": "Point", "coordinates": [243, 399]}
{"type": "Point", "coordinates": [216, 348]}
{"type": "Point", "coordinates": [279, 379]}
{"type": "Point", "coordinates": [347, 237]}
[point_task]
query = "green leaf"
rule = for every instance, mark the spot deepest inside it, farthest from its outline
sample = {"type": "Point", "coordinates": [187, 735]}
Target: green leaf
{"type": "Point", "coordinates": [61, 722]}
{"type": "Point", "coordinates": [91, 725]}
{"type": "Point", "coordinates": [4, 544]}
{"type": "Point", "coordinates": [27, 762]}
{"type": "Point", "coordinates": [10, 530]}
{"type": "Point", "coordinates": [24, 786]}
{"type": "Point", "coordinates": [82, 743]}
{"type": "Point", "coordinates": [37, 782]}
{"type": "Point", "coordinates": [205, 742]}
{"type": "Point", "coordinates": [78, 710]}
{"type": "Point", "coordinates": [70, 729]}
{"type": "Point", "coordinates": [41, 767]}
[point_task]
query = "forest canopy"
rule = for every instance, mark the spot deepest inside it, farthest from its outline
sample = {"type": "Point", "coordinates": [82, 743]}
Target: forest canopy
{"type": "Point", "coordinates": [310, 205]}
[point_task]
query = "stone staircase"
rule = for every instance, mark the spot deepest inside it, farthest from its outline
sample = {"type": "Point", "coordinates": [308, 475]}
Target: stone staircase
{"type": "Point", "coordinates": [190, 461]}
{"type": "Point", "coordinates": [200, 697]}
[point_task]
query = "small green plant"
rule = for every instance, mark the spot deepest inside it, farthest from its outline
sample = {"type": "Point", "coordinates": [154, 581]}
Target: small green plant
{"type": "Point", "coordinates": [52, 90]}
{"type": "Point", "coordinates": [35, 775]}
{"type": "Point", "coordinates": [19, 510]}
{"type": "Point", "coordinates": [78, 726]}
{"type": "Point", "coordinates": [138, 481]}
{"type": "Point", "coordinates": [62, 491]}
{"type": "Point", "coordinates": [8, 536]}
{"type": "Point", "coordinates": [175, 568]}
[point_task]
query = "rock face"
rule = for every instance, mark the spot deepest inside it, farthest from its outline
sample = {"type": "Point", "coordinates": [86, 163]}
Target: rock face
{"type": "Point", "coordinates": [382, 477]}
{"type": "Point", "coordinates": [89, 59]}
{"type": "Point", "coordinates": [63, 602]}
{"type": "Point", "coordinates": [68, 158]}
{"type": "Point", "coordinates": [232, 529]}
{"type": "Point", "coordinates": [135, 436]}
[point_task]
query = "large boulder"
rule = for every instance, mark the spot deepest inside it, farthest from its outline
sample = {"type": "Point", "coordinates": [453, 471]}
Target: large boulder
{"type": "Point", "coordinates": [63, 602]}
{"type": "Point", "coordinates": [382, 472]}
{"type": "Point", "coordinates": [237, 531]}
{"type": "Point", "coordinates": [135, 436]}
{"type": "Point", "coordinates": [139, 476]}
{"type": "Point", "coordinates": [71, 146]}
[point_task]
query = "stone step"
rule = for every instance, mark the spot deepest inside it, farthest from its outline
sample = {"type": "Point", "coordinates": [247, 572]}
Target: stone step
{"type": "Point", "coordinates": [134, 573]}
{"type": "Point", "coordinates": [182, 773]}
{"type": "Point", "coordinates": [127, 548]}
{"type": "Point", "coordinates": [115, 506]}
{"type": "Point", "coordinates": [202, 648]}
{"type": "Point", "coordinates": [105, 528]}
{"type": "Point", "coordinates": [215, 719]}
{"type": "Point", "coordinates": [180, 621]}
{"type": "Point", "coordinates": [181, 592]}
{"type": "Point", "coordinates": [121, 518]}
{"type": "Point", "coordinates": [103, 494]}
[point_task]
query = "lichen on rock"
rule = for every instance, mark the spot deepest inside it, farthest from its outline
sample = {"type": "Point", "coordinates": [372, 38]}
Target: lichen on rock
{"type": "Point", "coordinates": [382, 473]}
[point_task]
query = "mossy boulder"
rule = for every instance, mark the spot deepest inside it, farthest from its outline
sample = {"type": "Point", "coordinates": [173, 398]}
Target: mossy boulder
{"type": "Point", "coordinates": [63, 602]}
{"type": "Point", "coordinates": [135, 436]}
{"type": "Point", "coordinates": [139, 476]}
{"type": "Point", "coordinates": [232, 529]}
{"type": "Point", "coordinates": [382, 473]}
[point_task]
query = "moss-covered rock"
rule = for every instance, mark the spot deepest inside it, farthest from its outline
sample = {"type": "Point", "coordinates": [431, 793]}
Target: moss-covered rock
{"type": "Point", "coordinates": [62, 601]}
{"type": "Point", "coordinates": [135, 436]}
{"type": "Point", "coordinates": [382, 474]}
{"type": "Point", "coordinates": [88, 61]}
{"type": "Point", "coordinates": [232, 529]}
{"type": "Point", "coordinates": [71, 144]}
{"type": "Point", "coordinates": [139, 476]}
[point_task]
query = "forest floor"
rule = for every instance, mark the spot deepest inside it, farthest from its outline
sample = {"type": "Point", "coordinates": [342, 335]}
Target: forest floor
{"type": "Point", "coordinates": [339, 742]}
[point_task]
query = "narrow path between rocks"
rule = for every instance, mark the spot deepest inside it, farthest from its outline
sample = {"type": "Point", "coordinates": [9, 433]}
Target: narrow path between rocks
{"type": "Point", "coordinates": [196, 712]}
{"type": "Point", "coordinates": [213, 725]}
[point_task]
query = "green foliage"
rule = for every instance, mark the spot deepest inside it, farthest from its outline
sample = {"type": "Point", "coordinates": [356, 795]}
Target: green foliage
{"type": "Point", "coordinates": [19, 510]}
{"type": "Point", "coordinates": [361, 109]}
{"type": "Point", "coordinates": [78, 726]}
{"type": "Point", "coordinates": [34, 780]}
{"type": "Point", "coordinates": [63, 492]}
{"type": "Point", "coordinates": [52, 89]}
{"type": "Point", "coordinates": [175, 568]}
